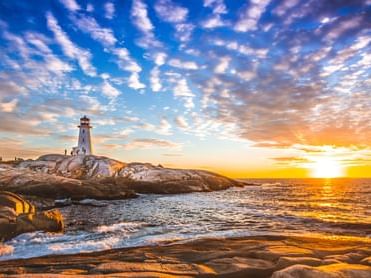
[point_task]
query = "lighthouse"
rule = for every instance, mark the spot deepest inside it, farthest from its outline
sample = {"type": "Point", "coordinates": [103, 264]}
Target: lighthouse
{"type": "Point", "coordinates": [84, 142]}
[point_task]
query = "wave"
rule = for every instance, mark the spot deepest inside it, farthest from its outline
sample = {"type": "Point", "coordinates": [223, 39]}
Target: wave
{"type": "Point", "coordinates": [121, 227]}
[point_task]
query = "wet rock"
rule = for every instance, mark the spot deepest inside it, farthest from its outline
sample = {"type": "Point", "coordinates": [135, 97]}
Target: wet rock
{"type": "Point", "coordinates": [18, 216]}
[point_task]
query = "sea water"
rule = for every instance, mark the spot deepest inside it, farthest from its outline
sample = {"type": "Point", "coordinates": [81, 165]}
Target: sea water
{"type": "Point", "coordinates": [317, 207]}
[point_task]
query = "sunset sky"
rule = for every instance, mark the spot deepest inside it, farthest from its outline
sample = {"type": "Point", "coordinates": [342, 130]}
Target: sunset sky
{"type": "Point", "coordinates": [246, 88]}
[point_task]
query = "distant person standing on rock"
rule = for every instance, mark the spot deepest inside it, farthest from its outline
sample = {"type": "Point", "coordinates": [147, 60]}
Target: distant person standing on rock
{"type": "Point", "coordinates": [65, 152]}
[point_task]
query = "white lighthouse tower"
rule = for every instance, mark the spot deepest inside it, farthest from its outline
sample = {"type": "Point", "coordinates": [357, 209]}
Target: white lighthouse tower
{"type": "Point", "coordinates": [84, 143]}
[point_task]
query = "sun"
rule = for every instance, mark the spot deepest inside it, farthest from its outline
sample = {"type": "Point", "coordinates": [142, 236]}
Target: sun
{"type": "Point", "coordinates": [326, 167]}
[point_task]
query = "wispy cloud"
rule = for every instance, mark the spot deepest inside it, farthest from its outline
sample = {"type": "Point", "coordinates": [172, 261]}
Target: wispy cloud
{"type": "Point", "coordinates": [139, 15]}
{"type": "Point", "coordinates": [90, 26]}
{"type": "Point", "coordinates": [71, 5]}
{"type": "Point", "coordinates": [82, 56]}
{"type": "Point", "coordinates": [250, 16]}
{"type": "Point", "coordinates": [189, 65]}
{"type": "Point", "coordinates": [109, 90]}
{"type": "Point", "coordinates": [215, 20]}
{"type": "Point", "coordinates": [109, 9]}
{"type": "Point", "coordinates": [147, 143]}
{"type": "Point", "coordinates": [175, 14]}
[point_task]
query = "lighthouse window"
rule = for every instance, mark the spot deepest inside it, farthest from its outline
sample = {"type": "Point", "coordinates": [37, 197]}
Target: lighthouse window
{"type": "Point", "coordinates": [83, 131]}
{"type": "Point", "coordinates": [83, 140]}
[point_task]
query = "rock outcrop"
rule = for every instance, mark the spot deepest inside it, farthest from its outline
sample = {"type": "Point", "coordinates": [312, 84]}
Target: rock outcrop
{"type": "Point", "coordinates": [329, 271]}
{"type": "Point", "coordinates": [97, 177]}
{"type": "Point", "coordinates": [234, 257]}
{"type": "Point", "coordinates": [18, 216]}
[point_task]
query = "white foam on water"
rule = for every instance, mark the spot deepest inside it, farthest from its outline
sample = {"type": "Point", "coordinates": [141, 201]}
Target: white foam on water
{"type": "Point", "coordinates": [121, 227]}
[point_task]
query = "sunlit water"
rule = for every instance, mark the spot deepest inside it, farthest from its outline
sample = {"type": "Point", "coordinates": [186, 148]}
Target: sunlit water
{"type": "Point", "coordinates": [338, 207]}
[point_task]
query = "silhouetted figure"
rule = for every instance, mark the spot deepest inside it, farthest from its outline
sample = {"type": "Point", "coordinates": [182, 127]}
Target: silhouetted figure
{"type": "Point", "coordinates": [65, 152]}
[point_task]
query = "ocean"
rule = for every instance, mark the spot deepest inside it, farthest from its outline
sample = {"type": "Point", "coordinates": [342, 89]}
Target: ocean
{"type": "Point", "coordinates": [338, 208]}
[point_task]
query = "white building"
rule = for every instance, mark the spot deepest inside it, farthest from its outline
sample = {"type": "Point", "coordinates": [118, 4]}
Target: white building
{"type": "Point", "coordinates": [84, 143]}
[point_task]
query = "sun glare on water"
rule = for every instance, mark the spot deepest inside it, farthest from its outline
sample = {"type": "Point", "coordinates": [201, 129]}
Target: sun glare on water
{"type": "Point", "coordinates": [327, 168]}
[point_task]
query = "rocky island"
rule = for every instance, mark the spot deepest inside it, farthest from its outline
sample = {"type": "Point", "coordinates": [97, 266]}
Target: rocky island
{"type": "Point", "coordinates": [98, 177]}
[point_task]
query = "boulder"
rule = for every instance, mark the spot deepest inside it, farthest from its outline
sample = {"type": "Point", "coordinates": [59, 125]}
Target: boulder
{"type": "Point", "coordinates": [18, 216]}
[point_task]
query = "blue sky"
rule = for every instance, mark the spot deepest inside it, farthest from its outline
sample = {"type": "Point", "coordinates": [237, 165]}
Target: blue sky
{"type": "Point", "coordinates": [263, 85]}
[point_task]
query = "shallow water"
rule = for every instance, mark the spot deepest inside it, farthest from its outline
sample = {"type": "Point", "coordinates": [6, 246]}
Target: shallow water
{"type": "Point", "coordinates": [337, 207]}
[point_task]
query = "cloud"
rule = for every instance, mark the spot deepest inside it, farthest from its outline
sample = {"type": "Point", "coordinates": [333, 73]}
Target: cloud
{"type": "Point", "coordinates": [109, 91]}
{"type": "Point", "coordinates": [155, 80]}
{"type": "Point", "coordinates": [181, 122]}
{"type": "Point", "coordinates": [9, 88]}
{"type": "Point", "coordinates": [164, 128]}
{"type": "Point", "coordinates": [218, 6]}
{"type": "Point", "coordinates": [139, 15]}
{"type": "Point", "coordinates": [147, 143]}
{"type": "Point", "coordinates": [89, 7]}
{"type": "Point", "coordinates": [90, 26]}
{"type": "Point", "coordinates": [181, 90]}
{"type": "Point", "coordinates": [223, 64]}
{"type": "Point", "coordinates": [183, 64]}
{"type": "Point", "coordinates": [70, 5]}
{"type": "Point", "coordinates": [170, 12]}
{"type": "Point", "coordinates": [214, 21]}
{"type": "Point", "coordinates": [184, 31]}
{"type": "Point", "coordinates": [127, 63]}
{"type": "Point", "coordinates": [159, 58]}
{"type": "Point", "coordinates": [82, 56]}
{"type": "Point", "coordinates": [13, 123]}
{"type": "Point", "coordinates": [9, 106]}
{"type": "Point", "coordinates": [106, 37]}
{"type": "Point", "coordinates": [175, 14]}
{"type": "Point", "coordinates": [11, 148]}
{"type": "Point", "coordinates": [290, 159]}
{"type": "Point", "coordinates": [133, 82]}
{"type": "Point", "coordinates": [250, 16]}
{"type": "Point", "coordinates": [109, 9]}
{"type": "Point", "coordinates": [284, 7]}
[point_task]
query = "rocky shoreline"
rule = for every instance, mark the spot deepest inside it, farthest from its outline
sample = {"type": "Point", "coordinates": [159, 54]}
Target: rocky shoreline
{"type": "Point", "coordinates": [54, 180]}
{"type": "Point", "coordinates": [262, 256]}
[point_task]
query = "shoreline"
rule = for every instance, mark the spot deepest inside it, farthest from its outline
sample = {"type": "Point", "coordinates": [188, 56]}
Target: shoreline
{"type": "Point", "coordinates": [257, 256]}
